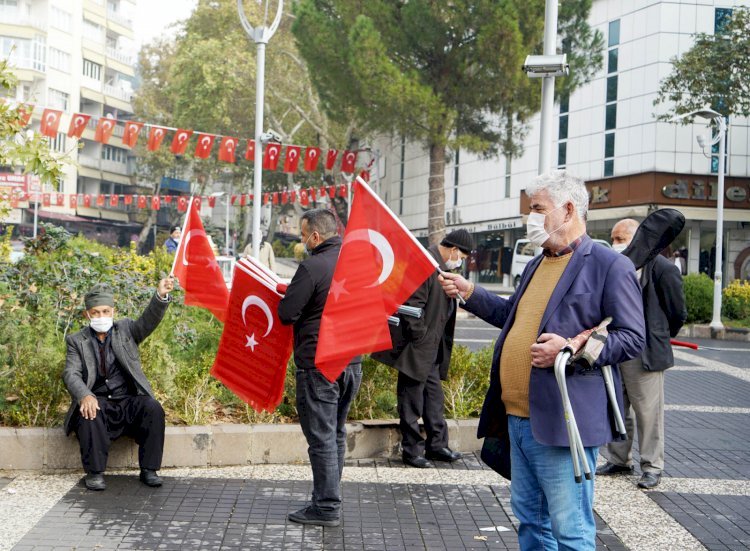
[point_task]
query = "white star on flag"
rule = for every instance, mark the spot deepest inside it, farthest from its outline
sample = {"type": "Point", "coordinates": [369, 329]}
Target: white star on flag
{"type": "Point", "coordinates": [251, 342]}
{"type": "Point", "coordinates": [338, 289]}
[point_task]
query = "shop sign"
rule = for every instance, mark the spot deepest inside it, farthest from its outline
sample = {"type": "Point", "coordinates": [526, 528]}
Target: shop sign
{"type": "Point", "coordinates": [700, 190]}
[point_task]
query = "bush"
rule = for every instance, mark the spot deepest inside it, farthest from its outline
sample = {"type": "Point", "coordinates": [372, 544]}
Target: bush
{"type": "Point", "coordinates": [699, 289]}
{"type": "Point", "coordinates": [736, 300]}
{"type": "Point", "coordinates": [281, 250]}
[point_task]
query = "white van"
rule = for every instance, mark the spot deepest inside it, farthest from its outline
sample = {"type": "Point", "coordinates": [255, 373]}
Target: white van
{"type": "Point", "coordinates": [524, 251]}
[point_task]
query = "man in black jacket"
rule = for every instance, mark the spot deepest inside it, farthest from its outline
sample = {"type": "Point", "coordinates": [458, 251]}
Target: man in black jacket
{"type": "Point", "coordinates": [643, 378]}
{"type": "Point", "coordinates": [322, 406]}
{"type": "Point", "coordinates": [422, 353]}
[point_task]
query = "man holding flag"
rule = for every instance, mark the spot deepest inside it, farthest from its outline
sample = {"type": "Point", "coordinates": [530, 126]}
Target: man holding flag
{"type": "Point", "coordinates": [322, 404]}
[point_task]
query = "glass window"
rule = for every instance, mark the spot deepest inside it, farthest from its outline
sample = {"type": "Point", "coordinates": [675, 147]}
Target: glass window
{"type": "Point", "coordinates": [59, 60]}
{"type": "Point", "coordinates": [611, 89]}
{"type": "Point", "coordinates": [609, 167]}
{"type": "Point", "coordinates": [563, 134]}
{"type": "Point", "coordinates": [614, 33]}
{"type": "Point", "coordinates": [60, 19]}
{"type": "Point", "coordinates": [58, 143]}
{"type": "Point", "coordinates": [722, 16]}
{"type": "Point", "coordinates": [611, 117]}
{"type": "Point", "coordinates": [562, 154]}
{"type": "Point", "coordinates": [92, 70]}
{"type": "Point", "coordinates": [57, 99]}
{"type": "Point", "coordinates": [612, 60]}
{"type": "Point", "coordinates": [609, 145]}
{"type": "Point", "coordinates": [564, 103]}
{"type": "Point", "coordinates": [93, 31]}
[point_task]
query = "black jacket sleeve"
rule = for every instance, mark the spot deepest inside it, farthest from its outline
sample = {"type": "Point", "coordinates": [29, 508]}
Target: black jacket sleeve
{"type": "Point", "coordinates": [671, 296]}
{"type": "Point", "coordinates": [297, 296]}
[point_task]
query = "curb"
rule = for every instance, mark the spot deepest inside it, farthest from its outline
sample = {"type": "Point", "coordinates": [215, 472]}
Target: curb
{"type": "Point", "coordinates": [48, 449]}
{"type": "Point", "coordinates": [701, 331]}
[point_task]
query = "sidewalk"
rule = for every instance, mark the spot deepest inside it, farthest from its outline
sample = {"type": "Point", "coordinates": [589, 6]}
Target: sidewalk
{"type": "Point", "coordinates": [703, 501]}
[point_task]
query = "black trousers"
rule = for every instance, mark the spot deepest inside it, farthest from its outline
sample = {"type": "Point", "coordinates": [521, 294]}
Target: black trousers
{"type": "Point", "coordinates": [140, 417]}
{"type": "Point", "coordinates": [425, 400]}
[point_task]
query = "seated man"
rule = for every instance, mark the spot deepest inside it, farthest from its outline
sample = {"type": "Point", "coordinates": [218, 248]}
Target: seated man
{"type": "Point", "coordinates": [110, 394]}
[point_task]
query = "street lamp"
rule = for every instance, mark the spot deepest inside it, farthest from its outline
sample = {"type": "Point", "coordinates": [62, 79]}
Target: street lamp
{"type": "Point", "coordinates": [261, 35]}
{"type": "Point", "coordinates": [710, 114]}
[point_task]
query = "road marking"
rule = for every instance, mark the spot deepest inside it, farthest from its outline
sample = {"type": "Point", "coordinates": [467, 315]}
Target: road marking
{"type": "Point", "coordinates": [705, 409]}
{"type": "Point", "coordinates": [487, 341]}
{"type": "Point", "coordinates": [709, 365]}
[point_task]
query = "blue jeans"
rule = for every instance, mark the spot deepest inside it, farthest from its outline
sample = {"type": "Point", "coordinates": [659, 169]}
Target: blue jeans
{"type": "Point", "coordinates": [553, 510]}
{"type": "Point", "coordinates": [322, 407]}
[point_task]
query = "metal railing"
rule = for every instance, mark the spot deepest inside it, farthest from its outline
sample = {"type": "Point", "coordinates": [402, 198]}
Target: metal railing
{"type": "Point", "coordinates": [117, 17]}
{"type": "Point", "coordinates": [117, 92]}
{"type": "Point", "coordinates": [120, 56]}
{"type": "Point", "coordinates": [12, 17]}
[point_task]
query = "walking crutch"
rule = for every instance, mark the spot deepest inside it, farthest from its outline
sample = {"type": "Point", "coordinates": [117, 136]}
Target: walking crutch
{"type": "Point", "coordinates": [577, 451]}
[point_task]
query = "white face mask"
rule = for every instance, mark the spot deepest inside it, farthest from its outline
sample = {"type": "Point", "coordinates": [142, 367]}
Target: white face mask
{"type": "Point", "coordinates": [308, 251]}
{"type": "Point", "coordinates": [454, 264]}
{"type": "Point", "coordinates": [102, 324]}
{"type": "Point", "coordinates": [535, 228]}
{"type": "Point", "coordinates": [619, 247]}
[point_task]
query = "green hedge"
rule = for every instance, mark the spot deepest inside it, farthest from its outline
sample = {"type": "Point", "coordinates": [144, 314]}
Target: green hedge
{"type": "Point", "coordinates": [699, 290]}
{"type": "Point", "coordinates": [41, 302]}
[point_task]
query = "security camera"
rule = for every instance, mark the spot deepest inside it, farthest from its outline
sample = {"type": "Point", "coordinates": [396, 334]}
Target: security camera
{"type": "Point", "coordinates": [539, 66]}
{"type": "Point", "coordinates": [270, 136]}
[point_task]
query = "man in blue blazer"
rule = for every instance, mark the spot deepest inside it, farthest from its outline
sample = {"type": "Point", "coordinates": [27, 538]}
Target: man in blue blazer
{"type": "Point", "coordinates": [571, 287]}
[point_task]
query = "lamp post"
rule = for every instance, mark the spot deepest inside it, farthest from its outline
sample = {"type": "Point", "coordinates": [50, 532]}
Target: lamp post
{"type": "Point", "coordinates": [710, 114]}
{"type": "Point", "coordinates": [261, 35]}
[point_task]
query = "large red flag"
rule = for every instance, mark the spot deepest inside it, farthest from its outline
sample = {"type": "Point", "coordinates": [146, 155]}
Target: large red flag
{"type": "Point", "coordinates": [250, 151]}
{"type": "Point", "coordinates": [271, 156]}
{"type": "Point", "coordinates": [78, 124]}
{"type": "Point", "coordinates": [312, 156]}
{"type": "Point", "coordinates": [155, 137]}
{"type": "Point", "coordinates": [331, 158]}
{"type": "Point", "coordinates": [292, 158]}
{"type": "Point", "coordinates": [227, 147]}
{"type": "Point", "coordinates": [104, 129]}
{"type": "Point", "coordinates": [180, 141]}
{"type": "Point", "coordinates": [204, 145]}
{"type": "Point", "coordinates": [348, 161]}
{"type": "Point", "coordinates": [196, 269]}
{"type": "Point", "coordinates": [381, 264]}
{"type": "Point", "coordinates": [50, 122]}
{"type": "Point", "coordinates": [130, 135]}
{"type": "Point", "coordinates": [255, 347]}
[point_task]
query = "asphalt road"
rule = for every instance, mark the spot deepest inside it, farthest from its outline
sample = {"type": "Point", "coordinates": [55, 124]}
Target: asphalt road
{"type": "Point", "coordinates": [475, 334]}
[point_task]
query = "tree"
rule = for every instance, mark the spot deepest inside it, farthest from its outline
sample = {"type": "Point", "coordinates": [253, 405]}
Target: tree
{"type": "Point", "coordinates": [446, 74]}
{"type": "Point", "coordinates": [20, 147]}
{"type": "Point", "coordinates": [714, 72]}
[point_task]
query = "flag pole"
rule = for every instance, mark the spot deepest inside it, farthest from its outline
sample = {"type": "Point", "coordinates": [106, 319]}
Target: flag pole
{"type": "Point", "coordinates": [182, 241]}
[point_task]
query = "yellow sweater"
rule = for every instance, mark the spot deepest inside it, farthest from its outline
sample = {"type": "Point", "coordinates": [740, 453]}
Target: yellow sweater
{"type": "Point", "coordinates": [515, 359]}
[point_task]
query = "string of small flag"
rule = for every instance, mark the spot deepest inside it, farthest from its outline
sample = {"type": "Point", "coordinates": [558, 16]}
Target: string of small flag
{"type": "Point", "coordinates": [156, 202]}
{"type": "Point", "coordinates": [228, 145]}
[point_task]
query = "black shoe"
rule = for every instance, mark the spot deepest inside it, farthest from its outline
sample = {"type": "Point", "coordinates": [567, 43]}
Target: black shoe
{"type": "Point", "coordinates": [95, 481]}
{"type": "Point", "coordinates": [418, 462]}
{"type": "Point", "coordinates": [443, 454]}
{"type": "Point", "coordinates": [312, 515]}
{"type": "Point", "coordinates": [610, 468]}
{"type": "Point", "coordinates": [649, 480]}
{"type": "Point", "coordinates": [150, 478]}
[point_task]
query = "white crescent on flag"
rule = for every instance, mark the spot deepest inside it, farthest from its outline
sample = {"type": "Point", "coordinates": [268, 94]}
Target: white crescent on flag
{"type": "Point", "coordinates": [51, 118]}
{"type": "Point", "coordinates": [79, 121]}
{"type": "Point", "coordinates": [382, 245]}
{"type": "Point", "coordinates": [182, 137]}
{"type": "Point", "coordinates": [158, 132]}
{"type": "Point", "coordinates": [312, 153]}
{"type": "Point", "coordinates": [253, 300]}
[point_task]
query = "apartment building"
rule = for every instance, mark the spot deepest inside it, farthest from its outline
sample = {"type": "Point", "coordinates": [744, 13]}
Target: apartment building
{"type": "Point", "coordinates": [77, 56]}
{"type": "Point", "coordinates": [607, 133]}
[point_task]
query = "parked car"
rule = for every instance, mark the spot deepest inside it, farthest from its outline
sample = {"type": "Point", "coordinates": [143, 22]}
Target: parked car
{"type": "Point", "coordinates": [524, 251]}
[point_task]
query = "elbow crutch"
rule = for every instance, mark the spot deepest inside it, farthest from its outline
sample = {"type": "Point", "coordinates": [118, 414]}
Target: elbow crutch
{"type": "Point", "coordinates": [577, 451]}
{"type": "Point", "coordinates": [610, 386]}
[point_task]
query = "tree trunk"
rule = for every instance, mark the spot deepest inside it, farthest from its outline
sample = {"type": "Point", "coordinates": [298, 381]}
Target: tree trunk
{"type": "Point", "coordinates": [436, 211]}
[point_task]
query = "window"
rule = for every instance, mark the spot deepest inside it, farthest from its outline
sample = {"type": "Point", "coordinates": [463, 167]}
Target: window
{"type": "Point", "coordinates": [610, 122]}
{"type": "Point", "coordinates": [115, 154]}
{"type": "Point", "coordinates": [59, 60]}
{"type": "Point", "coordinates": [609, 145]}
{"type": "Point", "coordinates": [563, 133]}
{"type": "Point", "coordinates": [562, 154]}
{"type": "Point", "coordinates": [58, 143]}
{"type": "Point", "coordinates": [23, 52]}
{"type": "Point", "coordinates": [93, 31]}
{"type": "Point", "coordinates": [614, 33]}
{"type": "Point", "coordinates": [609, 167]}
{"type": "Point", "coordinates": [57, 99]}
{"type": "Point", "coordinates": [612, 61]}
{"type": "Point", "coordinates": [92, 70]}
{"type": "Point", "coordinates": [564, 103]}
{"type": "Point", "coordinates": [612, 89]}
{"type": "Point", "coordinates": [60, 19]}
{"type": "Point", "coordinates": [722, 16]}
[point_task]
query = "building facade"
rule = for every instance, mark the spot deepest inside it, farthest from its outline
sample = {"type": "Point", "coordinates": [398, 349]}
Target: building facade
{"type": "Point", "coordinates": [606, 133]}
{"type": "Point", "coordinates": [77, 56]}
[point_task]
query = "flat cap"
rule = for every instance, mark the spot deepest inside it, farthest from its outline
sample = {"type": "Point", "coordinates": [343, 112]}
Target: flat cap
{"type": "Point", "coordinates": [459, 238]}
{"type": "Point", "coordinates": [100, 294]}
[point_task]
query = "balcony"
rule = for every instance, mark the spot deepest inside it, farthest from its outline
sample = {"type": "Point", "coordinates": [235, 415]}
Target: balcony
{"type": "Point", "coordinates": [91, 83]}
{"type": "Point", "coordinates": [117, 92]}
{"type": "Point", "coordinates": [88, 161]}
{"type": "Point", "coordinates": [120, 56]}
{"type": "Point", "coordinates": [12, 17]}
{"type": "Point", "coordinates": [120, 19]}
{"type": "Point", "coordinates": [115, 167]}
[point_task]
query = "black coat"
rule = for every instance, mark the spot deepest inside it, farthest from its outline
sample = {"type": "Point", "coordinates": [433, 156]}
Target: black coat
{"type": "Point", "coordinates": [419, 344]}
{"type": "Point", "coordinates": [305, 298]}
{"type": "Point", "coordinates": [664, 311]}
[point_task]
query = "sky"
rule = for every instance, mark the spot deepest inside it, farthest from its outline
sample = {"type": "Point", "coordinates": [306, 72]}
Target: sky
{"type": "Point", "coordinates": [152, 17]}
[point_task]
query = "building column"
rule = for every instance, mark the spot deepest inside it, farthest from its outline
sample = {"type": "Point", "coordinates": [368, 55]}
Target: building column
{"type": "Point", "coordinates": [694, 247]}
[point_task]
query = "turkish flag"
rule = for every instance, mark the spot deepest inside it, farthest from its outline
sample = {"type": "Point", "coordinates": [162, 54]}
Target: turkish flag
{"type": "Point", "coordinates": [292, 158]}
{"type": "Point", "coordinates": [182, 203]}
{"type": "Point", "coordinates": [197, 202]}
{"type": "Point", "coordinates": [342, 190]}
{"type": "Point", "coordinates": [87, 200]}
{"type": "Point", "coordinates": [204, 145]}
{"type": "Point", "coordinates": [155, 202]}
{"type": "Point", "coordinates": [348, 161]}
{"type": "Point", "coordinates": [46, 200]}
{"type": "Point", "coordinates": [312, 156]}
{"type": "Point", "coordinates": [196, 268]}
{"type": "Point", "coordinates": [250, 151]}
{"type": "Point", "coordinates": [227, 147]}
{"type": "Point", "coordinates": [60, 200]}
{"type": "Point", "coordinates": [100, 199]}
{"type": "Point", "coordinates": [113, 200]}
{"type": "Point", "coordinates": [73, 201]}
{"type": "Point", "coordinates": [141, 201]}
{"type": "Point", "coordinates": [331, 158]}
{"type": "Point", "coordinates": [180, 141]}
{"type": "Point", "coordinates": [50, 122]}
{"type": "Point", "coordinates": [155, 137]}
{"type": "Point", "coordinates": [168, 199]}
{"type": "Point", "coordinates": [104, 129]}
{"type": "Point", "coordinates": [128, 199]}
{"type": "Point", "coordinates": [381, 265]}
{"type": "Point", "coordinates": [212, 201]}
{"type": "Point", "coordinates": [266, 198]}
{"type": "Point", "coordinates": [275, 198]}
{"type": "Point", "coordinates": [271, 156]}
{"type": "Point", "coordinates": [78, 123]}
{"type": "Point", "coordinates": [25, 112]}
{"type": "Point", "coordinates": [365, 175]}
{"type": "Point", "coordinates": [130, 135]}
{"type": "Point", "coordinates": [303, 199]}
{"type": "Point", "coordinates": [313, 194]}
{"type": "Point", "coordinates": [255, 347]}
{"type": "Point", "coordinates": [332, 191]}
{"type": "Point", "coordinates": [243, 199]}
{"type": "Point", "coordinates": [323, 192]}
